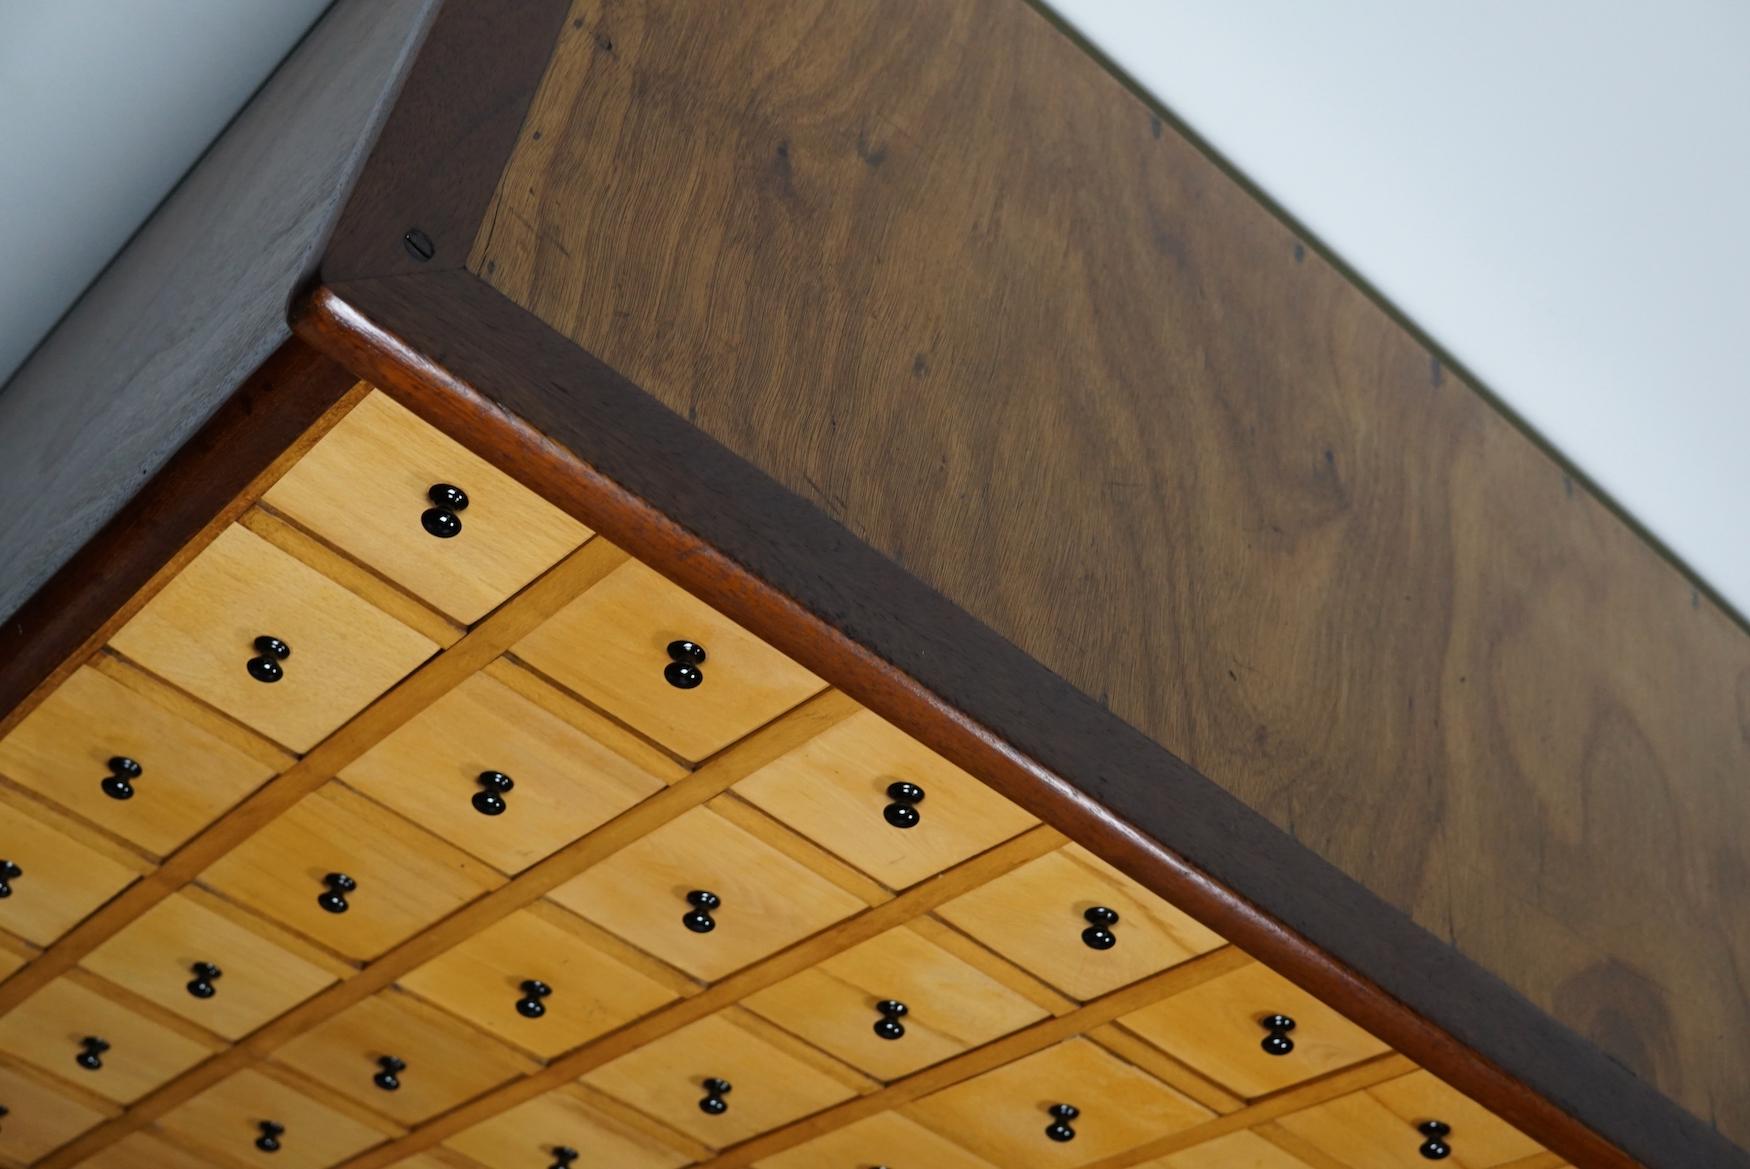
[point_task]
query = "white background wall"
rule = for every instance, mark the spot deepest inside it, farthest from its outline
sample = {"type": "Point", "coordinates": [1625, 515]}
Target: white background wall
{"type": "Point", "coordinates": [1555, 190]}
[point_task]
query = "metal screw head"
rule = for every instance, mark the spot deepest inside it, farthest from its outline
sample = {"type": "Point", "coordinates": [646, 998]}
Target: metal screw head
{"type": "Point", "coordinates": [419, 245]}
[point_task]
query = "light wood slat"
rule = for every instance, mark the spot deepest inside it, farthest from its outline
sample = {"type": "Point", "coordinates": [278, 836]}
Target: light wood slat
{"type": "Point", "coordinates": [711, 779]}
{"type": "Point", "coordinates": [609, 732]}
{"type": "Point", "coordinates": [981, 957]}
{"type": "Point", "coordinates": [1165, 1068]}
{"type": "Point", "coordinates": [192, 710]}
{"type": "Point", "coordinates": [1299, 1147]}
{"type": "Point", "coordinates": [289, 538]}
{"type": "Point", "coordinates": [918, 900]}
{"type": "Point", "coordinates": [803, 1051]}
{"type": "Point", "coordinates": [799, 848]}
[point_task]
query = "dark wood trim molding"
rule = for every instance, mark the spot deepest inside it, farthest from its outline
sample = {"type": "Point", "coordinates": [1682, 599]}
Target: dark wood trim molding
{"type": "Point", "coordinates": [501, 382]}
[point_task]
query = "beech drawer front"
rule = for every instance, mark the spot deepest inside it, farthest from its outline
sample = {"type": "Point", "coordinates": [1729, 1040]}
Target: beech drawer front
{"type": "Point", "coordinates": [402, 1058]}
{"type": "Point", "coordinates": [1238, 1150]}
{"type": "Point", "coordinates": [228, 1118]}
{"type": "Point", "coordinates": [528, 1134]}
{"type": "Point", "coordinates": [591, 990]}
{"type": "Point", "coordinates": [611, 645]}
{"type": "Point", "coordinates": [200, 633]}
{"type": "Point", "coordinates": [146, 1150]}
{"type": "Point", "coordinates": [1378, 1128]}
{"type": "Point", "coordinates": [55, 880]}
{"type": "Point", "coordinates": [949, 1005]}
{"type": "Point", "coordinates": [766, 900]}
{"type": "Point", "coordinates": [1037, 915]}
{"type": "Point", "coordinates": [156, 957]}
{"type": "Point", "coordinates": [1219, 1028]}
{"type": "Point", "coordinates": [666, 1079]}
{"type": "Point", "coordinates": [187, 777]}
{"type": "Point", "coordinates": [1003, 1115]}
{"type": "Point", "coordinates": [366, 488]}
{"type": "Point", "coordinates": [38, 1118]}
{"type": "Point", "coordinates": [836, 789]}
{"type": "Point", "coordinates": [566, 783]}
{"type": "Point", "coordinates": [888, 1138]}
{"type": "Point", "coordinates": [404, 878]}
{"type": "Point", "coordinates": [50, 1029]}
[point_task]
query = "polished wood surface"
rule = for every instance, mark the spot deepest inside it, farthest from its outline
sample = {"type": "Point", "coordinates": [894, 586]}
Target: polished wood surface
{"type": "Point", "coordinates": [954, 285]}
{"type": "Point", "coordinates": [522, 1135]}
{"type": "Point", "coordinates": [225, 1120]}
{"type": "Point", "coordinates": [40, 1117]}
{"type": "Point", "coordinates": [64, 871]}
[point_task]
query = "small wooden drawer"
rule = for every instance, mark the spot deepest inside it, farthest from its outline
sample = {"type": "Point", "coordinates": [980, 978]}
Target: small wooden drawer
{"type": "Point", "coordinates": [146, 1150]}
{"type": "Point", "coordinates": [200, 633]}
{"type": "Point", "coordinates": [1237, 1150]}
{"type": "Point", "coordinates": [887, 1138]}
{"type": "Point", "coordinates": [403, 877]}
{"type": "Point", "coordinates": [566, 781]}
{"type": "Point", "coordinates": [611, 645]}
{"type": "Point", "coordinates": [50, 1030]}
{"type": "Point", "coordinates": [596, 982]}
{"type": "Point", "coordinates": [1003, 1115]}
{"type": "Point", "coordinates": [1378, 1128]}
{"type": "Point", "coordinates": [366, 487]}
{"type": "Point", "coordinates": [840, 788]}
{"type": "Point", "coordinates": [74, 748]}
{"type": "Point", "coordinates": [1219, 1028]}
{"type": "Point", "coordinates": [765, 899]}
{"type": "Point", "coordinates": [40, 1118]}
{"type": "Point", "coordinates": [53, 872]}
{"type": "Point", "coordinates": [769, 1084]}
{"type": "Point", "coordinates": [401, 1057]}
{"type": "Point", "coordinates": [263, 972]}
{"type": "Point", "coordinates": [950, 1005]}
{"type": "Point", "coordinates": [229, 1120]}
{"type": "Point", "coordinates": [611, 1137]}
{"type": "Point", "coordinates": [1038, 913]}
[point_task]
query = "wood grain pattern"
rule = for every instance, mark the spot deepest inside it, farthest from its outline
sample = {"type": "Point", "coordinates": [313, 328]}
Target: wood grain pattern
{"type": "Point", "coordinates": [226, 1119]}
{"type": "Point", "coordinates": [520, 1136]}
{"type": "Point", "coordinates": [39, 1118]}
{"type": "Point", "coordinates": [890, 1138]}
{"type": "Point", "coordinates": [1376, 1128]}
{"type": "Point", "coordinates": [1303, 555]}
{"type": "Point", "coordinates": [64, 873]}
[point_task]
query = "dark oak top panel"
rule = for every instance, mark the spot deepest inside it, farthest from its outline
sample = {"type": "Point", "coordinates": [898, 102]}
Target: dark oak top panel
{"type": "Point", "coordinates": [932, 268]}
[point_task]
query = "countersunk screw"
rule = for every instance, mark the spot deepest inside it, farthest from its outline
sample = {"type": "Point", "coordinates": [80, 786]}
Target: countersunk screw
{"type": "Point", "coordinates": [419, 245]}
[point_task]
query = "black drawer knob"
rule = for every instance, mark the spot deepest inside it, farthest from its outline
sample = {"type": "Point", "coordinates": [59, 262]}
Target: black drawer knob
{"type": "Point", "coordinates": [201, 985]}
{"type": "Point", "coordinates": [388, 1076]}
{"type": "Point", "coordinates": [1059, 1129]}
{"type": "Point", "coordinates": [698, 918]}
{"type": "Point", "coordinates": [1435, 1148]}
{"type": "Point", "coordinates": [333, 898]}
{"type": "Point", "coordinates": [888, 1025]}
{"type": "Point", "coordinates": [530, 1005]}
{"type": "Point", "coordinates": [684, 658]}
{"type": "Point", "coordinates": [270, 652]}
{"type": "Point", "coordinates": [489, 800]}
{"type": "Point", "coordinates": [121, 770]}
{"type": "Point", "coordinates": [563, 1156]}
{"type": "Point", "coordinates": [903, 811]}
{"type": "Point", "coordinates": [1277, 1041]}
{"type": "Point", "coordinates": [1099, 935]}
{"type": "Point", "coordinates": [441, 519]}
{"type": "Point", "coordinates": [714, 1103]}
{"type": "Point", "coordinates": [269, 1140]}
{"type": "Point", "coordinates": [91, 1050]}
{"type": "Point", "coordinates": [9, 873]}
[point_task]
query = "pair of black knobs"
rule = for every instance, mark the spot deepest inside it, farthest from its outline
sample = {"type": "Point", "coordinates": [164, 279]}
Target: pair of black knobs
{"type": "Point", "coordinates": [271, 1132]}
{"type": "Point", "coordinates": [9, 873]}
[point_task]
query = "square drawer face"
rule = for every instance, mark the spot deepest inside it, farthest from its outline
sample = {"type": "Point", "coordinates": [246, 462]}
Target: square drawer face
{"type": "Point", "coordinates": [1003, 1114]}
{"type": "Point", "coordinates": [445, 1060]}
{"type": "Point", "coordinates": [50, 1027]}
{"type": "Point", "coordinates": [187, 776]}
{"type": "Point", "coordinates": [38, 1118]}
{"type": "Point", "coordinates": [258, 978]}
{"type": "Point", "coordinates": [58, 879]}
{"type": "Point", "coordinates": [566, 783]}
{"type": "Point", "coordinates": [1218, 1028]}
{"type": "Point", "coordinates": [145, 1150]}
{"type": "Point", "coordinates": [768, 1087]}
{"type": "Point", "coordinates": [1377, 1128]}
{"type": "Point", "coordinates": [950, 1005]}
{"type": "Point", "coordinates": [766, 900]}
{"type": "Point", "coordinates": [200, 631]}
{"type": "Point", "coordinates": [1238, 1150]}
{"type": "Point", "coordinates": [611, 646]}
{"type": "Point", "coordinates": [526, 1136]}
{"type": "Point", "coordinates": [365, 488]}
{"type": "Point", "coordinates": [592, 990]}
{"type": "Point", "coordinates": [404, 878]}
{"type": "Point", "coordinates": [887, 1138]}
{"type": "Point", "coordinates": [228, 1118]}
{"type": "Point", "coordinates": [1036, 915]}
{"type": "Point", "coordinates": [834, 789]}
